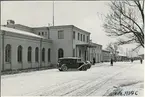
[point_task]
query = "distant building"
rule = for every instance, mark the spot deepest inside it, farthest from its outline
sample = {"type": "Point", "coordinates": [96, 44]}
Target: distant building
{"type": "Point", "coordinates": [96, 52]}
{"type": "Point", "coordinates": [121, 57]}
{"type": "Point", "coordinates": [24, 47]}
{"type": "Point", "coordinates": [106, 56]}
{"type": "Point", "coordinates": [141, 56]}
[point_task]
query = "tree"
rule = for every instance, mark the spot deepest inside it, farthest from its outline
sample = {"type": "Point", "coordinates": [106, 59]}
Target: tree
{"type": "Point", "coordinates": [126, 22]}
{"type": "Point", "coordinates": [113, 48]}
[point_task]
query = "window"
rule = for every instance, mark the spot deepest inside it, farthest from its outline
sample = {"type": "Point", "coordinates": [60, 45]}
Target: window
{"type": "Point", "coordinates": [39, 33]}
{"type": "Point", "coordinates": [78, 36]}
{"type": "Point", "coordinates": [79, 53]}
{"type": "Point", "coordinates": [8, 53]}
{"type": "Point", "coordinates": [49, 54]}
{"type": "Point", "coordinates": [61, 34]}
{"type": "Point", "coordinates": [60, 53]}
{"type": "Point", "coordinates": [73, 52]}
{"type": "Point", "coordinates": [29, 54]}
{"type": "Point", "coordinates": [43, 55]}
{"type": "Point", "coordinates": [81, 37]}
{"type": "Point", "coordinates": [37, 54]}
{"type": "Point", "coordinates": [42, 33]}
{"type": "Point", "coordinates": [73, 34]}
{"type": "Point", "coordinates": [84, 38]}
{"type": "Point", "coordinates": [87, 38]}
{"type": "Point", "coordinates": [19, 52]}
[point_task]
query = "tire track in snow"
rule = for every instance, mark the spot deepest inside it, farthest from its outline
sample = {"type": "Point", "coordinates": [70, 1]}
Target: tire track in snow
{"type": "Point", "coordinates": [39, 91]}
{"type": "Point", "coordinates": [92, 87]}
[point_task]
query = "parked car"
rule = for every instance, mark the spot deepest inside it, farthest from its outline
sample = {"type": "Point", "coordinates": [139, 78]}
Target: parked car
{"type": "Point", "coordinates": [66, 63]}
{"type": "Point", "coordinates": [89, 64]}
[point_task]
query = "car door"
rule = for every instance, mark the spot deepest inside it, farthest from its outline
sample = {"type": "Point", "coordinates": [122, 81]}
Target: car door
{"type": "Point", "coordinates": [79, 63]}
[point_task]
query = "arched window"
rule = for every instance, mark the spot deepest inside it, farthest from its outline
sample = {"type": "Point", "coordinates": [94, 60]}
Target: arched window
{"type": "Point", "coordinates": [60, 53]}
{"type": "Point", "coordinates": [37, 54]}
{"type": "Point", "coordinates": [49, 54]}
{"type": "Point", "coordinates": [43, 54]}
{"type": "Point", "coordinates": [19, 52]}
{"type": "Point", "coordinates": [8, 53]}
{"type": "Point", "coordinates": [29, 54]}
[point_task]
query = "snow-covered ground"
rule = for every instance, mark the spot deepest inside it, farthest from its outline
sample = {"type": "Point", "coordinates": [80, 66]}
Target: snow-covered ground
{"type": "Point", "coordinates": [101, 79]}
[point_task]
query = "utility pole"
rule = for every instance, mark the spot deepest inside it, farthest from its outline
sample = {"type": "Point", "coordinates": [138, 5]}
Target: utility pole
{"type": "Point", "coordinates": [53, 13]}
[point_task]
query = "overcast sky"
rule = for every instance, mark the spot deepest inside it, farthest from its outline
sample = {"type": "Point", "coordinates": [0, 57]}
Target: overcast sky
{"type": "Point", "coordinates": [83, 14]}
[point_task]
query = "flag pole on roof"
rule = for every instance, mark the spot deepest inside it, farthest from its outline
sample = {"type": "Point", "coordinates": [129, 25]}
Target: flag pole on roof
{"type": "Point", "coordinates": [53, 13]}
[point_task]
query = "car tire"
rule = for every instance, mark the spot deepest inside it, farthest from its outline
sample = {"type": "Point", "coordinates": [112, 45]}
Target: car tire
{"type": "Point", "coordinates": [64, 68]}
{"type": "Point", "coordinates": [84, 68]}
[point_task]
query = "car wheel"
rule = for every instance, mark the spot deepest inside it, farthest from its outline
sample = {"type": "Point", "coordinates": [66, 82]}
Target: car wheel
{"type": "Point", "coordinates": [84, 68]}
{"type": "Point", "coordinates": [64, 68]}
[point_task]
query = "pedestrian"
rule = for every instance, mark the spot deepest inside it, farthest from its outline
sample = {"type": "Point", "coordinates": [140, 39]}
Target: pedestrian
{"type": "Point", "coordinates": [111, 62]}
{"type": "Point", "coordinates": [141, 60]}
{"type": "Point", "coordinates": [94, 61]}
{"type": "Point", "coordinates": [131, 60]}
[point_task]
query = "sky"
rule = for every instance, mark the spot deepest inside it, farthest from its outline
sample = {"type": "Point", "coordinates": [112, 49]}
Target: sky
{"type": "Point", "coordinates": [87, 15]}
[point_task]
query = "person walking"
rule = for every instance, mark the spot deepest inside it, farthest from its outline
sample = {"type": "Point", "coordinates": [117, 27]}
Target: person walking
{"type": "Point", "coordinates": [111, 62]}
{"type": "Point", "coordinates": [141, 60]}
{"type": "Point", "coordinates": [94, 61]}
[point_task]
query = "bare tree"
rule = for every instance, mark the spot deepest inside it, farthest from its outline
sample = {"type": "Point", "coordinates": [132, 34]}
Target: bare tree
{"type": "Point", "coordinates": [113, 48]}
{"type": "Point", "coordinates": [126, 21]}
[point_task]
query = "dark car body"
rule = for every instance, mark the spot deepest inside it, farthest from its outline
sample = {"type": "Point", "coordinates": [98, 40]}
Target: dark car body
{"type": "Point", "coordinates": [89, 64]}
{"type": "Point", "coordinates": [71, 63]}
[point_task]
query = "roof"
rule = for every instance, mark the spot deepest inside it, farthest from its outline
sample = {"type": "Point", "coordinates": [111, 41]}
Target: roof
{"type": "Point", "coordinates": [59, 26]}
{"type": "Point", "coordinates": [70, 58]}
{"type": "Point", "coordinates": [121, 55]}
{"type": "Point", "coordinates": [87, 44]}
{"type": "Point", "coordinates": [20, 32]}
{"type": "Point", "coordinates": [96, 44]}
{"type": "Point", "coordinates": [105, 51]}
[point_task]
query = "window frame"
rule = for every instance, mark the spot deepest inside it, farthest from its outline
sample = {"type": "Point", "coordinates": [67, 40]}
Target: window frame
{"type": "Point", "coordinates": [20, 54]}
{"type": "Point", "coordinates": [36, 54]}
{"type": "Point", "coordinates": [29, 54]}
{"type": "Point", "coordinates": [60, 34]}
{"type": "Point", "coordinates": [8, 53]}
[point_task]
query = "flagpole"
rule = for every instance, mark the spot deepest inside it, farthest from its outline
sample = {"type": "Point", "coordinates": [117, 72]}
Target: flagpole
{"type": "Point", "coordinates": [53, 13]}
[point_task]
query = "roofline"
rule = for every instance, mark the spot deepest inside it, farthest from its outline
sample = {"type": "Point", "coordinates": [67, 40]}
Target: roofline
{"type": "Point", "coordinates": [96, 44]}
{"type": "Point", "coordinates": [59, 26]}
{"type": "Point", "coordinates": [70, 58]}
{"type": "Point", "coordinates": [105, 51]}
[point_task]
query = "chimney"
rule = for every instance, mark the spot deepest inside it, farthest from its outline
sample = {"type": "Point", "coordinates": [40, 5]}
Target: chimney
{"type": "Point", "coordinates": [10, 22]}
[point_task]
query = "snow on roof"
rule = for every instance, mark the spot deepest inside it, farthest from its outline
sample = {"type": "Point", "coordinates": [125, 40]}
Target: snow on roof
{"type": "Point", "coordinates": [121, 54]}
{"type": "Point", "coordinates": [69, 58]}
{"type": "Point", "coordinates": [20, 32]}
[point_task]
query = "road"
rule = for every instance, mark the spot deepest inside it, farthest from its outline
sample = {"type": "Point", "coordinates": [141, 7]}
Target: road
{"type": "Point", "coordinates": [97, 81]}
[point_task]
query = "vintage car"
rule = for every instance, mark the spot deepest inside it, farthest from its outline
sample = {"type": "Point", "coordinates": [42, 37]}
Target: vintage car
{"type": "Point", "coordinates": [66, 63]}
{"type": "Point", "coordinates": [89, 64]}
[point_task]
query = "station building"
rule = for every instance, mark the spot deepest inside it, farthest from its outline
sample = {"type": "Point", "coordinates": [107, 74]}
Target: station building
{"type": "Point", "coordinates": [24, 47]}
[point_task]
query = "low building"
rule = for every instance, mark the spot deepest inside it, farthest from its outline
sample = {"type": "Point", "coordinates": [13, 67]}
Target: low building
{"type": "Point", "coordinates": [121, 57]}
{"type": "Point", "coordinates": [141, 56]}
{"type": "Point", "coordinates": [106, 56]}
{"type": "Point", "coordinates": [96, 52]}
{"type": "Point", "coordinates": [21, 49]}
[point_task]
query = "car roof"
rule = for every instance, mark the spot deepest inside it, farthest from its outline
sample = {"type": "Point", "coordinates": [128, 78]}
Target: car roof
{"type": "Point", "coordinates": [70, 58]}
